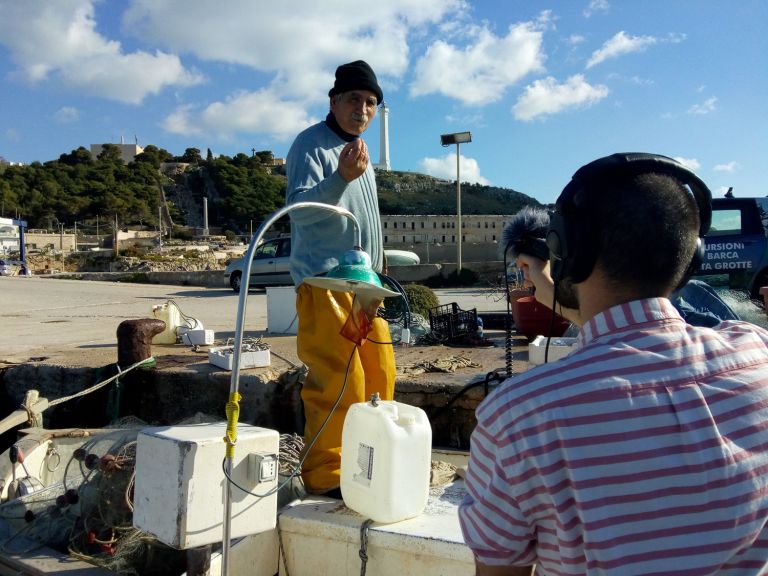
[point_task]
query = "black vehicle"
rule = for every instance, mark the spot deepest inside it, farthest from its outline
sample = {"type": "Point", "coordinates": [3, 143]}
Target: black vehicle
{"type": "Point", "coordinates": [737, 245]}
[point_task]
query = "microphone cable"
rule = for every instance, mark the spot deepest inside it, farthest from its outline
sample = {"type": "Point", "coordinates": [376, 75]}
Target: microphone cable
{"type": "Point", "coordinates": [507, 321]}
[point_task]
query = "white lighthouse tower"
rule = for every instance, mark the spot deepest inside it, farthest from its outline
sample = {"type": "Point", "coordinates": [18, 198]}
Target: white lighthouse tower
{"type": "Point", "coordinates": [384, 139]}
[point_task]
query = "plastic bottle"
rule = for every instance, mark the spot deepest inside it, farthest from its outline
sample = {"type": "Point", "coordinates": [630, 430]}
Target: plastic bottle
{"type": "Point", "coordinates": [480, 328]}
{"type": "Point", "coordinates": [386, 454]}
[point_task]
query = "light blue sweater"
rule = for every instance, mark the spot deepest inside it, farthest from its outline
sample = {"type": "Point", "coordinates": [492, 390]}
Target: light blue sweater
{"type": "Point", "coordinates": [319, 237]}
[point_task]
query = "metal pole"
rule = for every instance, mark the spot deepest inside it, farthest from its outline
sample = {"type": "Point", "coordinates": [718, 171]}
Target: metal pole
{"type": "Point", "coordinates": [458, 208]}
{"type": "Point", "coordinates": [242, 302]}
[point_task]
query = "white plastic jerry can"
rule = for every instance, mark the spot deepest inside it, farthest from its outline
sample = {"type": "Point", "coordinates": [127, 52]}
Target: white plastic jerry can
{"type": "Point", "coordinates": [386, 453]}
{"type": "Point", "coordinates": [169, 314]}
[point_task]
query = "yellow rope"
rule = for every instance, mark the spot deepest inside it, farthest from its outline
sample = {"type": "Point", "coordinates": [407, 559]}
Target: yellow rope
{"type": "Point", "coordinates": [233, 414]}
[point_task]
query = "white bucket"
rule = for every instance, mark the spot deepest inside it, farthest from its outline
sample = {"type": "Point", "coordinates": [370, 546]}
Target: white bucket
{"type": "Point", "coordinates": [385, 460]}
{"type": "Point", "coordinates": [169, 314]}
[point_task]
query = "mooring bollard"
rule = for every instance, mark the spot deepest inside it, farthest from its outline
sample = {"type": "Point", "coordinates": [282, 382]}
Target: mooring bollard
{"type": "Point", "coordinates": [134, 340]}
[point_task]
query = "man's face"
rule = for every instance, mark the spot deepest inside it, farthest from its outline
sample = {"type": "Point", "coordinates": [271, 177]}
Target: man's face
{"type": "Point", "coordinates": [354, 110]}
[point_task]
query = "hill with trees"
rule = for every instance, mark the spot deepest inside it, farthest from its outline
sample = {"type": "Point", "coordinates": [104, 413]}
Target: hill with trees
{"type": "Point", "coordinates": [241, 190]}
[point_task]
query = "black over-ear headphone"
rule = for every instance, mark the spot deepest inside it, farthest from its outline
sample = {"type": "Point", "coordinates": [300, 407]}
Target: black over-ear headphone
{"type": "Point", "coordinates": [573, 236]}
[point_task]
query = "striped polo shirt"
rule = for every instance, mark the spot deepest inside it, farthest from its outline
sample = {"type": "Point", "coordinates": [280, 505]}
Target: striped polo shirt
{"type": "Point", "coordinates": [645, 451]}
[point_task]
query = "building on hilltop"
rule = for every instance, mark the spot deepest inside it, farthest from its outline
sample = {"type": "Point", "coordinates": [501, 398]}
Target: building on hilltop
{"type": "Point", "coordinates": [127, 151]}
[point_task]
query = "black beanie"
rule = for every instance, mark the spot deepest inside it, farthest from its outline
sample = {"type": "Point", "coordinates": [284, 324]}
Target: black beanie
{"type": "Point", "coordinates": [356, 75]}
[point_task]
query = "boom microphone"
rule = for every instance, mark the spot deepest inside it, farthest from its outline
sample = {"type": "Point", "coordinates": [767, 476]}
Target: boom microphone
{"type": "Point", "coordinates": [525, 233]}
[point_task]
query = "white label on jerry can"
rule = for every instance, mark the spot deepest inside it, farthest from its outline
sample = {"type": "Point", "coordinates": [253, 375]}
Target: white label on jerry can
{"type": "Point", "coordinates": [365, 463]}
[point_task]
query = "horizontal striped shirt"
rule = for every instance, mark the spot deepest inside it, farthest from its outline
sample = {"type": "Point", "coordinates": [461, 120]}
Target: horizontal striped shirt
{"type": "Point", "coordinates": [645, 451]}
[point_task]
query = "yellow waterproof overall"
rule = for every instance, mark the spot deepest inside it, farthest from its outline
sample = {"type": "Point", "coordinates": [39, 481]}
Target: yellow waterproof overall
{"type": "Point", "coordinates": [322, 315]}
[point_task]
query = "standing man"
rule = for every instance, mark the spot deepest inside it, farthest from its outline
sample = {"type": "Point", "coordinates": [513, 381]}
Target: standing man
{"type": "Point", "coordinates": [645, 451]}
{"type": "Point", "coordinates": [329, 163]}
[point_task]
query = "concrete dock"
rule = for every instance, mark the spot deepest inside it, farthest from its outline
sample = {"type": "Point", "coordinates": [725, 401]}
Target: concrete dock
{"type": "Point", "coordinates": [59, 337]}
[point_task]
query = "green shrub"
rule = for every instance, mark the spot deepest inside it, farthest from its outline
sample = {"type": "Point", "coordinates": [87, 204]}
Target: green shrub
{"type": "Point", "coordinates": [420, 298]}
{"type": "Point", "coordinates": [132, 251]}
{"type": "Point", "coordinates": [456, 279]}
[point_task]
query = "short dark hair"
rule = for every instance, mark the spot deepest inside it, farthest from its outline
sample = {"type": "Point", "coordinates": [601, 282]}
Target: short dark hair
{"type": "Point", "coordinates": [649, 226]}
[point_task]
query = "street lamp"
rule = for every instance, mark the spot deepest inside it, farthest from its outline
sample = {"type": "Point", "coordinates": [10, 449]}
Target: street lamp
{"type": "Point", "coordinates": [457, 138]}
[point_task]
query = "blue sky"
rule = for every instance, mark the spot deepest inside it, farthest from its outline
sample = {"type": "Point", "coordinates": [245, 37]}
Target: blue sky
{"type": "Point", "coordinates": [544, 87]}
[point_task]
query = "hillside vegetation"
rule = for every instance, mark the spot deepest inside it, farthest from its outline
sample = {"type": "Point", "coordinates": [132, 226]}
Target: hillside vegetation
{"type": "Point", "coordinates": [241, 191]}
{"type": "Point", "coordinates": [410, 193]}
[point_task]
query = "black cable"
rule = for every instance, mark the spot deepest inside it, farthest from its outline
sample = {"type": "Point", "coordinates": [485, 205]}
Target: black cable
{"type": "Point", "coordinates": [508, 322]}
{"type": "Point", "coordinates": [494, 375]}
{"type": "Point", "coordinates": [551, 320]}
{"type": "Point", "coordinates": [390, 311]}
{"type": "Point", "coordinates": [308, 447]}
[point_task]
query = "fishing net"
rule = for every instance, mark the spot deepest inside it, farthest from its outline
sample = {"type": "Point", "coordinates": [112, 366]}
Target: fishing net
{"type": "Point", "coordinates": [89, 513]}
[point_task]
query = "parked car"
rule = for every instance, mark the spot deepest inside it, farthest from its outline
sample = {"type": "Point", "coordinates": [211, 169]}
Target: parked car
{"type": "Point", "coordinates": [737, 244]}
{"type": "Point", "coordinates": [270, 264]}
{"type": "Point", "coordinates": [8, 268]}
{"type": "Point", "coordinates": [269, 267]}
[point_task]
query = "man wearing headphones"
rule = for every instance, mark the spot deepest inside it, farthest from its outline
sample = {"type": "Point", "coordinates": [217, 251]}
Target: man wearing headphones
{"type": "Point", "coordinates": [645, 451]}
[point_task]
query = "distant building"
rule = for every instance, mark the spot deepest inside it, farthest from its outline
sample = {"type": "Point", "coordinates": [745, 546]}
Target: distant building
{"type": "Point", "coordinates": [4, 162]}
{"type": "Point", "coordinates": [9, 238]}
{"type": "Point", "coordinates": [431, 228]}
{"type": "Point", "coordinates": [58, 241]}
{"type": "Point", "coordinates": [127, 151]}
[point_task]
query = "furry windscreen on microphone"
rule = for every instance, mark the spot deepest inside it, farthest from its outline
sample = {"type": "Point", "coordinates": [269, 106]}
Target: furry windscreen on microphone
{"type": "Point", "coordinates": [525, 233]}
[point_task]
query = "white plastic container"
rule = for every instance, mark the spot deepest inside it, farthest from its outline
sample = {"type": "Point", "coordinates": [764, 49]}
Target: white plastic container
{"type": "Point", "coordinates": [559, 347]}
{"type": "Point", "coordinates": [169, 314]}
{"type": "Point", "coordinates": [385, 460]}
{"type": "Point", "coordinates": [224, 357]}
{"type": "Point", "coordinates": [281, 310]}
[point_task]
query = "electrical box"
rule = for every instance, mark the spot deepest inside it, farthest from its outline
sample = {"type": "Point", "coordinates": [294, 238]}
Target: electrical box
{"type": "Point", "coordinates": [197, 337]}
{"type": "Point", "coordinates": [180, 483]}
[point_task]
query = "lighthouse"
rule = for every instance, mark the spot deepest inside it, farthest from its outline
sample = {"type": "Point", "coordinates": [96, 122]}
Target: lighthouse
{"type": "Point", "coordinates": [384, 139]}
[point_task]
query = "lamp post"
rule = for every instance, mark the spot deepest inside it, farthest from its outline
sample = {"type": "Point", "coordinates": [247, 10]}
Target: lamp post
{"type": "Point", "coordinates": [457, 138]}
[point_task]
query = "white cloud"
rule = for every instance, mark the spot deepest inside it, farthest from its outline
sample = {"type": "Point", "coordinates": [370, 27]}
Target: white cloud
{"type": "Point", "coordinates": [690, 163]}
{"type": "Point", "coordinates": [637, 80]}
{"type": "Point", "coordinates": [12, 135]}
{"type": "Point", "coordinates": [480, 72]}
{"type": "Point", "coordinates": [546, 97]}
{"type": "Point", "coordinates": [66, 115]}
{"type": "Point", "coordinates": [596, 6]}
{"type": "Point", "coordinates": [705, 107]}
{"type": "Point", "coordinates": [731, 166]}
{"type": "Point", "coordinates": [248, 112]}
{"type": "Point", "coordinates": [620, 44]}
{"type": "Point", "coordinates": [445, 167]}
{"type": "Point", "coordinates": [298, 43]}
{"type": "Point", "coordinates": [474, 120]}
{"type": "Point", "coordinates": [575, 39]}
{"type": "Point", "coordinates": [59, 40]}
